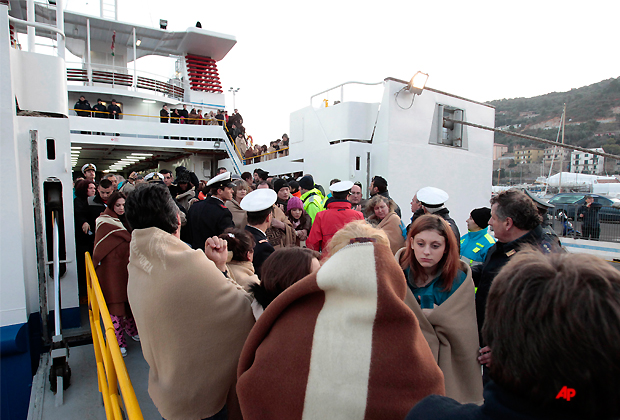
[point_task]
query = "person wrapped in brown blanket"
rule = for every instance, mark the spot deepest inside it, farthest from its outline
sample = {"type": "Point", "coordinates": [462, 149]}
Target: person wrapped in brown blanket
{"type": "Point", "coordinates": [340, 343]}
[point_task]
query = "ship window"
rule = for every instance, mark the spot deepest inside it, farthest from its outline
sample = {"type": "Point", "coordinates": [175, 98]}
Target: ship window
{"type": "Point", "coordinates": [357, 163]}
{"type": "Point", "coordinates": [51, 149]}
{"type": "Point", "coordinates": [449, 133]}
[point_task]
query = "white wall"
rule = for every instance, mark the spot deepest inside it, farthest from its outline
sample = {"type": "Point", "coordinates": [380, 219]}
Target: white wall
{"type": "Point", "coordinates": [12, 289]}
{"type": "Point", "coordinates": [402, 154]}
{"type": "Point", "coordinates": [57, 129]}
{"type": "Point", "coordinates": [32, 73]}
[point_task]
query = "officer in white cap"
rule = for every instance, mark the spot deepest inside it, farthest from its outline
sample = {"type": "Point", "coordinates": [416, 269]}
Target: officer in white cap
{"type": "Point", "coordinates": [89, 171]}
{"type": "Point", "coordinates": [210, 217]}
{"type": "Point", "coordinates": [432, 200]}
{"type": "Point", "coordinates": [338, 213]}
{"type": "Point", "coordinates": [154, 178]}
{"type": "Point", "coordinates": [259, 206]}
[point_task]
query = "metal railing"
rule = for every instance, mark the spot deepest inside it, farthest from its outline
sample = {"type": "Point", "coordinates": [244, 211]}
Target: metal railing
{"type": "Point", "coordinates": [151, 118]}
{"type": "Point", "coordinates": [567, 222]}
{"type": "Point", "coordinates": [120, 76]}
{"type": "Point", "coordinates": [111, 369]}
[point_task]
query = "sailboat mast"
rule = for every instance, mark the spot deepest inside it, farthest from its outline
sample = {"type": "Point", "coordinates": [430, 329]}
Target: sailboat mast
{"type": "Point", "coordinates": [562, 154]}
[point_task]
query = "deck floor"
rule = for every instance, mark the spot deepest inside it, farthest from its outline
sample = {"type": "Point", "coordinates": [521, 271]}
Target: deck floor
{"type": "Point", "coordinates": [83, 400]}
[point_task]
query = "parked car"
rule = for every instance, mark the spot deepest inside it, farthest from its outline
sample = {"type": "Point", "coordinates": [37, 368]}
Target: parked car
{"type": "Point", "coordinates": [569, 204]}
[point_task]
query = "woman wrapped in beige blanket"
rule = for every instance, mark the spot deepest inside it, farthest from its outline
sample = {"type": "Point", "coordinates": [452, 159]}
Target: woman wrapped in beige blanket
{"type": "Point", "coordinates": [441, 295]}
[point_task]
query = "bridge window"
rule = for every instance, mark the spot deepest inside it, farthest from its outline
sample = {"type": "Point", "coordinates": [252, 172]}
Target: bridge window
{"type": "Point", "coordinates": [449, 133]}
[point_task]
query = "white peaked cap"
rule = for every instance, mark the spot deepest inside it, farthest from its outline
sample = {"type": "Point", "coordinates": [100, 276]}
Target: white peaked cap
{"type": "Point", "coordinates": [341, 186]}
{"type": "Point", "coordinates": [89, 166]}
{"type": "Point", "coordinates": [259, 200]}
{"type": "Point", "coordinates": [431, 196]}
{"type": "Point", "coordinates": [223, 179]}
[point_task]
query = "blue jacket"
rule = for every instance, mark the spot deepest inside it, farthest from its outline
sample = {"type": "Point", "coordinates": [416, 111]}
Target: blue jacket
{"type": "Point", "coordinates": [475, 245]}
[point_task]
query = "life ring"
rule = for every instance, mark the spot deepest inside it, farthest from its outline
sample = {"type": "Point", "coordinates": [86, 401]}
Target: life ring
{"type": "Point", "coordinates": [251, 140]}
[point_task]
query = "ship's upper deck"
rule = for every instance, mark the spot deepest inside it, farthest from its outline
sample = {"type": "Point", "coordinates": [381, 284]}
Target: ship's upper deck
{"type": "Point", "coordinates": [153, 41]}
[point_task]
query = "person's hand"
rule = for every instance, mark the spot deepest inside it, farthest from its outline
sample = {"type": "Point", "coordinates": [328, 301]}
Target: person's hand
{"type": "Point", "coordinates": [303, 234]}
{"type": "Point", "coordinates": [216, 249]}
{"type": "Point", "coordinates": [357, 208]}
{"type": "Point", "coordinates": [277, 224]}
{"type": "Point", "coordinates": [485, 356]}
{"type": "Point", "coordinates": [85, 228]}
{"type": "Point", "coordinates": [581, 215]}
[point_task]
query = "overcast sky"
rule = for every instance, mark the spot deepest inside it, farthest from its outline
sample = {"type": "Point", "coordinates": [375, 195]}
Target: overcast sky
{"type": "Point", "coordinates": [288, 51]}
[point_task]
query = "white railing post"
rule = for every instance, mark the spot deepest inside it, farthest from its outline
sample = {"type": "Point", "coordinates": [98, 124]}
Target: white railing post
{"type": "Point", "coordinates": [60, 24]}
{"type": "Point", "coordinates": [31, 29]}
{"type": "Point", "coordinates": [135, 75]}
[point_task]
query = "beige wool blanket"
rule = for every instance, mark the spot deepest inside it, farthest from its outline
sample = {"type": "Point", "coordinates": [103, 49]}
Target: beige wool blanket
{"type": "Point", "coordinates": [192, 322]}
{"type": "Point", "coordinates": [452, 334]}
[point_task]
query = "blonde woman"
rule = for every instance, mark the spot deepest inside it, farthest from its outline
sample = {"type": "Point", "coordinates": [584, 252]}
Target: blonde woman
{"type": "Point", "coordinates": [380, 212]}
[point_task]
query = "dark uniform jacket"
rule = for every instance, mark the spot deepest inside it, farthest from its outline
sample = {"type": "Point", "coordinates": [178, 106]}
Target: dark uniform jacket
{"type": "Point", "coordinates": [82, 105]}
{"type": "Point", "coordinates": [498, 256]}
{"type": "Point", "coordinates": [499, 404]}
{"type": "Point", "coordinates": [207, 218]}
{"type": "Point", "coordinates": [445, 215]}
{"type": "Point", "coordinates": [164, 116]}
{"type": "Point", "coordinates": [262, 249]}
{"type": "Point", "coordinates": [103, 112]}
{"type": "Point", "coordinates": [111, 109]}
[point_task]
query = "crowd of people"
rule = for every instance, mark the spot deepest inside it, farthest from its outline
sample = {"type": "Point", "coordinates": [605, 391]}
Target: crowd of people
{"type": "Point", "coordinates": [244, 145]}
{"type": "Point", "coordinates": [264, 297]}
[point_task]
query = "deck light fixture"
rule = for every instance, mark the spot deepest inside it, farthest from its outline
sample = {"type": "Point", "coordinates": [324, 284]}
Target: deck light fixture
{"type": "Point", "coordinates": [138, 42]}
{"type": "Point", "coordinates": [163, 24]}
{"type": "Point", "coordinates": [417, 83]}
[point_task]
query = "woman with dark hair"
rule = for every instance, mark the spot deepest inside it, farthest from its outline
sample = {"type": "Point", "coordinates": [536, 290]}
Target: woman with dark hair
{"type": "Point", "coordinates": [110, 258]}
{"type": "Point", "coordinates": [300, 220]}
{"type": "Point", "coordinates": [240, 257]}
{"type": "Point", "coordinates": [381, 213]}
{"type": "Point", "coordinates": [280, 271]}
{"type": "Point", "coordinates": [441, 295]}
{"type": "Point", "coordinates": [84, 233]}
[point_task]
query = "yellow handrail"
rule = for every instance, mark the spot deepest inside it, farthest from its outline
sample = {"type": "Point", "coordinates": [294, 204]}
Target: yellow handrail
{"type": "Point", "coordinates": [111, 369]}
{"type": "Point", "coordinates": [92, 111]}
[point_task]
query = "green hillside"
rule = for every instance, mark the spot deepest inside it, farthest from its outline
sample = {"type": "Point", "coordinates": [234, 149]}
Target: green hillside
{"type": "Point", "coordinates": [592, 112]}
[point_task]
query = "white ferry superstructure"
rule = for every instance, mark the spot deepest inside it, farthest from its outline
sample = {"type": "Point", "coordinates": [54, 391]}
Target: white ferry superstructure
{"type": "Point", "coordinates": [403, 138]}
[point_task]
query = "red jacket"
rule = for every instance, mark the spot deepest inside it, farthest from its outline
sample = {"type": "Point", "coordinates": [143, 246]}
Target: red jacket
{"type": "Point", "coordinates": [330, 221]}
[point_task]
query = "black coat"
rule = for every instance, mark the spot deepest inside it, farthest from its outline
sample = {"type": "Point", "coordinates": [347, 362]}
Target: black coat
{"type": "Point", "coordinates": [81, 215]}
{"type": "Point", "coordinates": [498, 405]}
{"type": "Point", "coordinates": [590, 214]}
{"type": "Point", "coordinates": [82, 105]}
{"type": "Point", "coordinates": [205, 219]}
{"type": "Point", "coordinates": [164, 116]}
{"type": "Point", "coordinates": [445, 215]}
{"type": "Point", "coordinates": [498, 255]}
{"type": "Point", "coordinates": [111, 109]}
{"type": "Point", "coordinates": [262, 250]}
{"type": "Point", "coordinates": [102, 111]}
{"type": "Point", "coordinates": [96, 206]}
